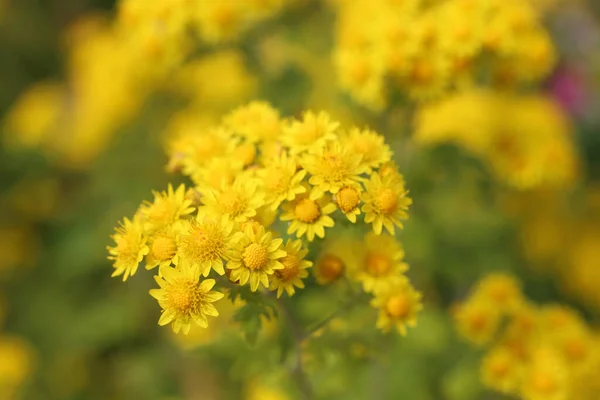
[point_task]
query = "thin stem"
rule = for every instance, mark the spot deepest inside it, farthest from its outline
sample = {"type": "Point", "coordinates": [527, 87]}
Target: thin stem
{"type": "Point", "coordinates": [340, 311]}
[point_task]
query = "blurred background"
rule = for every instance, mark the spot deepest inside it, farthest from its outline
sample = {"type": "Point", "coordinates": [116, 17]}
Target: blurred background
{"type": "Point", "coordinates": [91, 97]}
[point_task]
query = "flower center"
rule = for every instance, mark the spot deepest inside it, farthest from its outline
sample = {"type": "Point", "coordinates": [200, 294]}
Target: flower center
{"type": "Point", "coordinates": [500, 368]}
{"type": "Point", "coordinates": [543, 383]}
{"type": "Point", "coordinates": [330, 267]}
{"type": "Point", "coordinates": [163, 248]}
{"type": "Point", "coordinates": [307, 211]}
{"type": "Point", "coordinates": [255, 256]}
{"type": "Point", "coordinates": [386, 201]}
{"type": "Point", "coordinates": [398, 306]}
{"type": "Point", "coordinates": [347, 199]}
{"type": "Point", "coordinates": [291, 267]}
{"type": "Point", "coordinates": [231, 203]}
{"type": "Point", "coordinates": [184, 297]}
{"type": "Point", "coordinates": [378, 264]}
{"type": "Point", "coordinates": [275, 180]}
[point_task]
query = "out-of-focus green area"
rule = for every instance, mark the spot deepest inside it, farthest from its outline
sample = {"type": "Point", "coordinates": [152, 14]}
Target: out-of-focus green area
{"type": "Point", "coordinates": [70, 331]}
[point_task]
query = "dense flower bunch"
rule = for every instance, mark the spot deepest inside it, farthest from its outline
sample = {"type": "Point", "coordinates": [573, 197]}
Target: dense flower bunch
{"type": "Point", "coordinates": [533, 352]}
{"type": "Point", "coordinates": [427, 49]}
{"type": "Point", "coordinates": [265, 190]}
{"type": "Point", "coordinates": [526, 140]}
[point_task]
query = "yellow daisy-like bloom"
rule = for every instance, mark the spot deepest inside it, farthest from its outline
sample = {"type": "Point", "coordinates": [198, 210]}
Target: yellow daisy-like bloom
{"type": "Point", "coordinates": [196, 146]}
{"type": "Point", "coordinates": [370, 145]}
{"type": "Point", "coordinates": [257, 122]}
{"type": "Point", "coordinates": [398, 304]}
{"type": "Point", "coordinates": [281, 180]}
{"type": "Point", "coordinates": [167, 208]}
{"type": "Point", "coordinates": [203, 243]}
{"type": "Point", "coordinates": [386, 202]}
{"type": "Point", "coordinates": [254, 256]}
{"type": "Point", "coordinates": [162, 249]}
{"type": "Point", "coordinates": [218, 172]}
{"type": "Point", "coordinates": [502, 290]}
{"type": "Point", "coordinates": [130, 249]}
{"type": "Point", "coordinates": [546, 378]}
{"type": "Point", "coordinates": [17, 364]}
{"type": "Point", "coordinates": [477, 321]}
{"type": "Point", "coordinates": [184, 299]}
{"type": "Point", "coordinates": [238, 201]}
{"type": "Point", "coordinates": [312, 132]}
{"type": "Point", "coordinates": [308, 217]}
{"type": "Point", "coordinates": [293, 271]}
{"type": "Point", "coordinates": [501, 371]}
{"type": "Point", "coordinates": [381, 263]}
{"type": "Point", "coordinates": [348, 200]}
{"type": "Point", "coordinates": [332, 167]}
{"type": "Point", "coordinates": [338, 254]}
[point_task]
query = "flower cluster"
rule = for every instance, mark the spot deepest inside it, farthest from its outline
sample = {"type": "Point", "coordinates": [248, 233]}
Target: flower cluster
{"type": "Point", "coordinates": [429, 48]}
{"type": "Point", "coordinates": [265, 188]}
{"type": "Point", "coordinates": [526, 140]}
{"type": "Point", "coordinates": [534, 352]}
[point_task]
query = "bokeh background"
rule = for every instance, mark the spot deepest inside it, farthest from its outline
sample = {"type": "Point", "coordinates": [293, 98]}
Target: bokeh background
{"type": "Point", "coordinates": [85, 127]}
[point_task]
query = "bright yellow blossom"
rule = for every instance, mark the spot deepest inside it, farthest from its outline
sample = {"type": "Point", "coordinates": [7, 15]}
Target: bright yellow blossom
{"type": "Point", "coordinates": [130, 248]}
{"type": "Point", "coordinates": [162, 249]}
{"type": "Point", "coordinates": [282, 180]}
{"type": "Point", "coordinates": [398, 305]}
{"type": "Point", "coordinates": [308, 217]}
{"type": "Point", "coordinates": [348, 201]}
{"type": "Point", "coordinates": [385, 203]}
{"type": "Point", "coordinates": [258, 121]}
{"type": "Point", "coordinates": [370, 145]}
{"type": "Point", "coordinates": [254, 256]}
{"type": "Point", "coordinates": [238, 201]}
{"type": "Point", "coordinates": [184, 299]}
{"type": "Point", "coordinates": [166, 209]}
{"type": "Point", "coordinates": [293, 271]}
{"type": "Point", "coordinates": [312, 132]}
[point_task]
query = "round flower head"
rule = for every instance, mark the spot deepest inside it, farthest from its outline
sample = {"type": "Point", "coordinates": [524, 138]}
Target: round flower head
{"type": "Point", "coordinates": [398, 305]}
{"type": "Point", "coordinates": [17, 364]}
{"type": "Point", "coordinates": [313, 131]}
{"type": "Point", "coordinates": [348, 201]}
{"type": "Point", "coordinates": [308, 217]}
{"type": "Point", "coordinates": [501, 370]}
{"type": "Point", "coordinates": [203, 243]}
{"type": "Point", "coordinates": [477, 321]}
{"type": "Point", "coordinates": [338, 254]}
{"type": "Point", "coordinates": [184, 299]}
{"type": "Point", "coordinates": [256, 122]}
{"type": "Point", "coordinates": [166, 209]}
{"type": "Point", "coordinates": [370, 145]}
{"type": "Point", "coordinates": [386, 202]}
{"type": "Point", "coordinates": [546, 377]}
{"type": "Point", "coordinates": [332, 167]}
{"type": "Point", "coordinates": [238, 201]}
{"type": "Point", "coordinates": [254, 256]}
{"type": "Point", "coordinates": [502, 290]}
{"type": "Point", "coordinates": [281, 180]}
{"type": "Point", "coordinates": [197, 146]}
{"type": "Point", "coordinates": [162, 249]}
{"type": "Point", "coordinates": [293, 271]}
{"type": "Point", "coordinates": [130, 249]}
{"type": "Point", "coordinates": [381, 262]}
{"type": "Point", "coordinates": [218, 172]}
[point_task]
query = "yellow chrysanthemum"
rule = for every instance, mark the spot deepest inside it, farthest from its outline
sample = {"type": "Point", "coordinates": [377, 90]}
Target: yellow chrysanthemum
{"type": "Point", "coordinates": [196, 145]}
{"type": "Point", "coordinates": [130, 249]}
{"type": "Point", "coordinates": [370, 145]}
{"type": "Point", "coordinates": [293, 271]}
{"type": "Point", "coordinates": [254, 256]}
{"type": "Point", "coordinates": [338, 254]}
{"type": "Point", "coordinates": [332, 167]}
{"type": "Point", "coordinates": [386, 201]}
{"type": "Point", "coordinates": [166, 209]}
{"type": "Point", "coordinates": [256, 122]}
{"type": "Point", "coordinates": [348, 201]}
{"type": "Point", "coordinates": [203, 243]}
{"type": "Point", "coordinates": [501, 290]}
{"type": "Point", "coordinates": [546, 378]}
{"type": "Point", "coordinates": [313, 131]}
{"type": "Point", "coordinates": [477, 321]}
{"type": "Point", "coordinates": [184, 299]}
{"type": "Point", "coordinates": [238, 201]}
{"type": "Point", "coordinates": [17, 364]}
{"type": "Point", "coordinates": [162, 249]}
{"type": "Point", "coordinates": [501, 371]}
{"type": "Point", "coordinates": [218, 172]}
{"type": "Point", "coordinates": [398, 305]}
{"type": "Point", "coordinates": [381, 262]}
{"type": "Point", "coordinates": [308, 217]}
{"type": "Point", "coordinates": [281, 180]}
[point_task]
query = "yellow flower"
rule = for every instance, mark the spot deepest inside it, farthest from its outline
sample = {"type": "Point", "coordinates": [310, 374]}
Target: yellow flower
{"type": "Point", "coordinates": [17, 364]}
{"type": "Point", "coordinates": [238, 201]}
{"type": "Point", "coordinates": [281, 180]}
{"type": "Point", "coordinates": [348, 200]}
{"type": "Point", "coordinates": [130, 248]}
{"type": "Point", "coordinates": [312, 132]}
{"type": "Point", "coordinates": [293, 271]}
{"type": "Point", "coordinates": [370, 145]}
{"type": "Point", "coordinates": [386, 202]}
{"type": "Point", "coordinates": [218, 172]}
{"type": "Point", "coordinates": [501, 371]}
{"type": "Point", "coordinates": [477, 321]}
{"type": "Point", "coordinates": [256, 122]}
{"type": "Point", "coordinates": [332, 167]}
{"type": "Point", "coordinates": [254, 256]}
{"type": "Point", "coordinates": [546, 378]}
{"type": "Point", "coordinates": [338, 254]}
{"type": "Point", "coordinates": [308, 217]}
{"type": "Point", "coordinates": [381, 264]}
{"type": "Point", "coordinates": [162, 249]}
{"type": "Point", "coordinates": [184, 299]}
{"type": "Point", "coordinates": [167, 208]}
{"type": "Point", "coordinates": [501, 290]}
{"type": "Point", "coordinates": [398, 305]}
{"type": "Point", "coordinates": [203, 243]}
